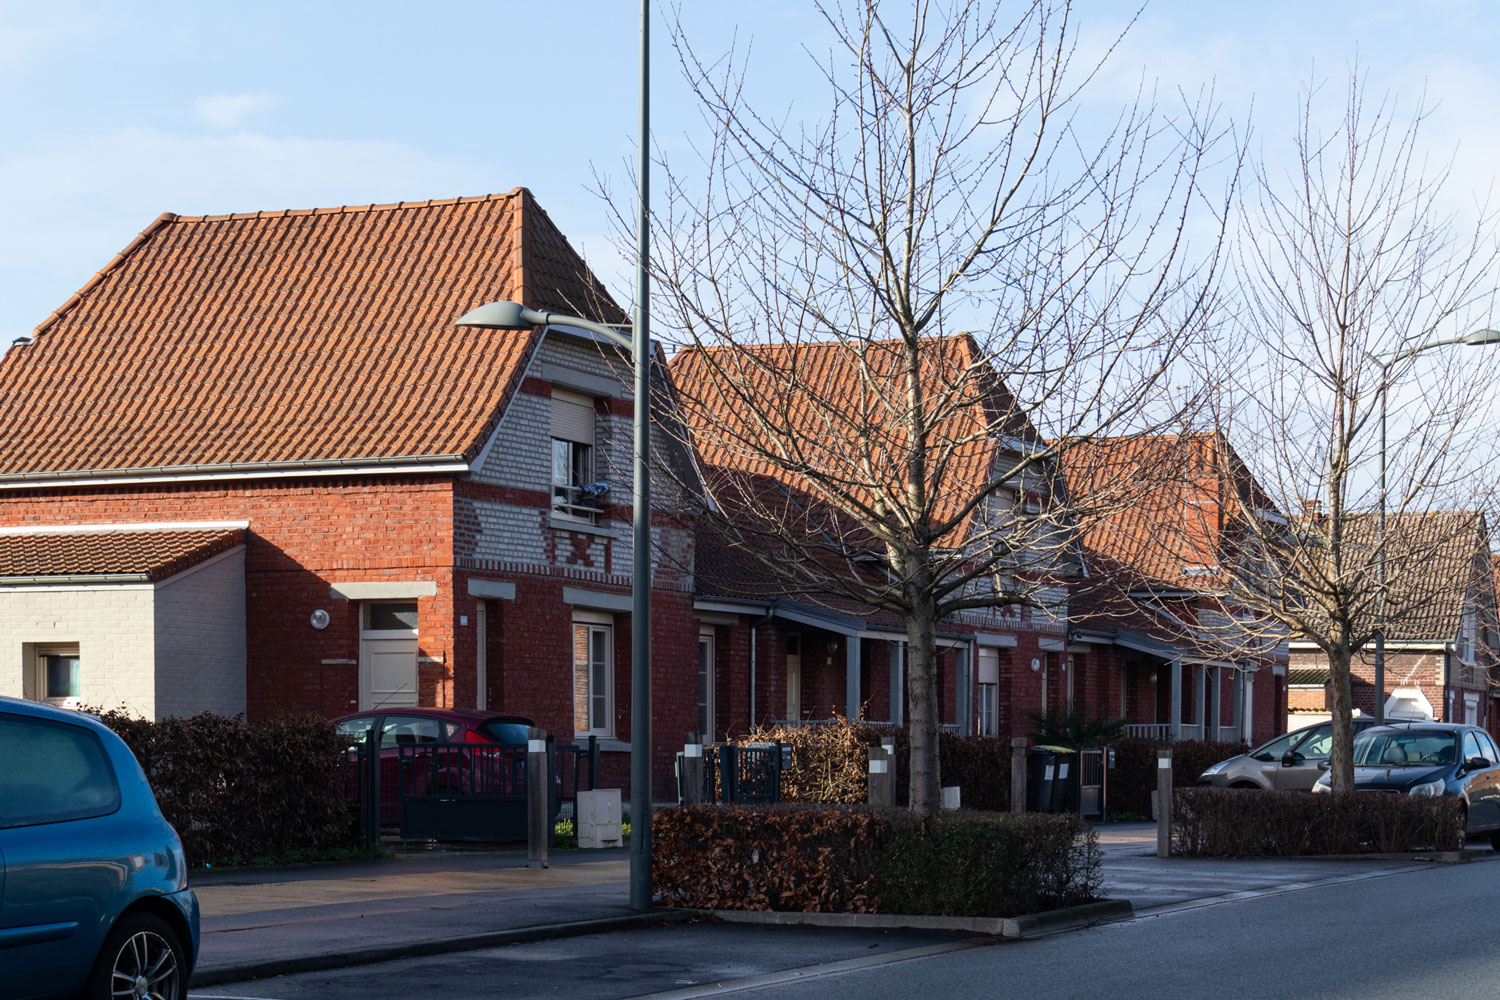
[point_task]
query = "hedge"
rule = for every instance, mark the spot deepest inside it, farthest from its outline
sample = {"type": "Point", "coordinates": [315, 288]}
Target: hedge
{"type": "Point", "coordinates": [831, 763]}
{"type": "Point", "coordinates": [235, 791]}
{"type": "Point", "coordinates": [1134, 776]}
{"type": "Point", "coordinates": [862, 860]}
{"type": "Point", "coordinates": [1239, 823]}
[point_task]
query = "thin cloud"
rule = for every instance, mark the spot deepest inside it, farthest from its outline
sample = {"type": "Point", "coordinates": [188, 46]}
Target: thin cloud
{"type": "Point", "coordinates": [229, 111]}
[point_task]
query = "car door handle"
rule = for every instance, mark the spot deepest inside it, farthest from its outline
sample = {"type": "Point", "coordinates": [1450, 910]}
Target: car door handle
{"type": "Point", "coordinates": [15, 937]}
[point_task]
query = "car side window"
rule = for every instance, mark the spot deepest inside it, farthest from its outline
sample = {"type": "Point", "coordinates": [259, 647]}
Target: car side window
{"type": "Point", "coordinates": [355, 731]}
{"type": "Point", "coordinates": [1276, 748]}
{"type": "Point", "coordinates": [1487, 747]}
{"type": "Point", "coordinates": [405, 730]}
{"type": "Point", "coordinates": [53, 772]}
{"type": "Point", "coordinates": [1318, 743]}
{"type": "Point", "coordinates": [1471, 746]}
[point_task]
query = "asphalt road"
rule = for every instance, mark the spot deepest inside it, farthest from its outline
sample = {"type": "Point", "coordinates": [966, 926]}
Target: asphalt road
{"type": "Point", "coordinates": [1425, 933]}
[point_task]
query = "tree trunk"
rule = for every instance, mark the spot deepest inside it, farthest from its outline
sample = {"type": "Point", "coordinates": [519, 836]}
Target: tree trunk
{"type": "Point", "coordinates": [1341, 756]}
{"type": "Point", "coordinates": [921, 693]}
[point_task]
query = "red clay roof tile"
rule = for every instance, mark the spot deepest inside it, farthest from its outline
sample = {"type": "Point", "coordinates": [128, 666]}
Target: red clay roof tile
{"type": "Point", "coordinates": [154, 555]}
{"type": "Point", "coordinates": [277, 337]}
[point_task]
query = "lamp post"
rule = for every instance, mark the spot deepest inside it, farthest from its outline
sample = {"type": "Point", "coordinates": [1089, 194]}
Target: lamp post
{"type": "Point", "coordinates": [512, 316]}
{"type": "Point", "coordinates": [1477, 338]}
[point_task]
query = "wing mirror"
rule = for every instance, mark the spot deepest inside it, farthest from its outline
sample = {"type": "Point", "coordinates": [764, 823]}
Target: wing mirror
{"type": "Point", "coordinates": [1477, 764]}
{"type": "Point", "coordinates": [1291, 758]}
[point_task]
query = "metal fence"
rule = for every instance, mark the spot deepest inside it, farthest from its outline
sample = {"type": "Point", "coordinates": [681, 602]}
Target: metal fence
{"type": "Point", "coordinates": [458, 791]}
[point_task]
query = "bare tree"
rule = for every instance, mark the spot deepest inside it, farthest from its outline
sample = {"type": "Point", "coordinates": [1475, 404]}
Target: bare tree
{"type": "Point", "coordinates": [892, 318]}
{"type": "Point", "coordinates": [1351, 269]}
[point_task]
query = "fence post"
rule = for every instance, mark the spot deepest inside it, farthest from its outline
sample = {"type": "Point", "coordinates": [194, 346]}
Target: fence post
{"type": "Point", "coordinates": [538, 799]}
{"type": "Point", "coordinates": [370, 764]}
{"type": "Point", "coordinates": [692, 770]}
{"type": "Point", "coordinates": [1018, 774]}
{"type": "Point", "coordinates": [554, 794]}
{"type": "Point", "coordinates": [728, 773]}
{"type": "Point", "coordinates": [1164, 802]}
{"type": "Point", "coordinates": [882, 782]}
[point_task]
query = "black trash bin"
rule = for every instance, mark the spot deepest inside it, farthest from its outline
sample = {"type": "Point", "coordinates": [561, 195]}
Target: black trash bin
{"type": "Point", "coordinates": [1051, 779]}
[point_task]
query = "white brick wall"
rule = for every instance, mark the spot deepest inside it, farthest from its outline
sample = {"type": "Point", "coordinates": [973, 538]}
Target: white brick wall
{"type": "Point", "coordinates": [521, 457]}
{"type": "Point", "coordinates": [156, 651]}
{"type": "Point", "coordinates": [113, 629]}
{"type": "Point", "coordinates": [200, 639]}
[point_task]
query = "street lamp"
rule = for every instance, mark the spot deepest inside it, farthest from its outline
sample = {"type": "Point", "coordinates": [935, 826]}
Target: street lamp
{"type": "Point", "coordinates": [1477, 338]}
{"type": "Point", "coordinates": [512, 316]}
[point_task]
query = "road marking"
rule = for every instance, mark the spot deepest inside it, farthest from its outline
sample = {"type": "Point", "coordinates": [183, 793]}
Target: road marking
{"type": "Point", "coordinates": [222, 996]}
{"type": "Point", "coordinates": [809, 972]}
{"type": "Point", "coordinates": [1275, 890]}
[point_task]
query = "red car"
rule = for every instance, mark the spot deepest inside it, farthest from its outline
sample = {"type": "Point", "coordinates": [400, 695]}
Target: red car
{"type": "Point", "coordinates": [492, 760]}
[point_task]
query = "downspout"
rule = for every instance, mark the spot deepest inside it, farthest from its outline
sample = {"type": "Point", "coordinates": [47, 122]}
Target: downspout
{"type": "Point", "coordinates": [754, 627]}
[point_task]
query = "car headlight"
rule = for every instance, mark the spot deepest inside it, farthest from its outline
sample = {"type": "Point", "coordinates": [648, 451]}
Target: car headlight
{"type": "Point", "coordinates": [1216, 768]}
{"type": "Point", "coordinates": [1322, 784]}
{"type": "Point", "coordinates": [1428, 788]}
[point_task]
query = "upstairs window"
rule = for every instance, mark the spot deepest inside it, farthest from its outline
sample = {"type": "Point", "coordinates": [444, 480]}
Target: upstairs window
{"type": "Point", "coordinates": [1466, 629]}
{"type": "Point", "coordinates": [572, 456]}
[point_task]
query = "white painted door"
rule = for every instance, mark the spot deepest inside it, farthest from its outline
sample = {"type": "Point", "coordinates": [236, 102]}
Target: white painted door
{"type": "Point", "coordinates": [388, 673]}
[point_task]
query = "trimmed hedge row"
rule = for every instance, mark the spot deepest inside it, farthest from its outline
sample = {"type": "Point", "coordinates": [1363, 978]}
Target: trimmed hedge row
{"type": "Point", "coordinates": [1241, 823]}
{"type": "Point", "coordinates": [235, 791]}
{"type": "Point", "coordinates": [1134, 777]}
{"type": "Point", "coordinates": [854, 859]}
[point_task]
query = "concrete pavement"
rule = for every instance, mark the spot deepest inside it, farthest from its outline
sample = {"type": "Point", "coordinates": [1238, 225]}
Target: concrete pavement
{"type": "Point", "coordinates": [276, 921]}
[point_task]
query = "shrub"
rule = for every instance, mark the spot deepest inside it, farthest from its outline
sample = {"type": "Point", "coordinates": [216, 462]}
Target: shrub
{"type": "Point", "coordinates": [235, 791]}
{"type": "Point", "coordinates": [831, 763]}
{"type": "Point", "coordinates": [1134, 776]}
{"type": "Point", "coordinates": [1233, 822]}
{"type": "Point", "coordinates": [857, 859]}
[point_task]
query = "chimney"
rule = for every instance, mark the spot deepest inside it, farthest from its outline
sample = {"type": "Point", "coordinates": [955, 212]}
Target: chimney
{"type": "Point", "coordinates": [1312, 510]}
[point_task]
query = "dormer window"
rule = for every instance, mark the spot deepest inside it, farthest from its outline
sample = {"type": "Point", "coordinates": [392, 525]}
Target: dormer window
{"type": "Point", "coordinates": [572, 456]}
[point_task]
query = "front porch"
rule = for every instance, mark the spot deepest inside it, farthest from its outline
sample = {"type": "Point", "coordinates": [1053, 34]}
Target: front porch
{"type": "Point", "coordinates": [1175, 700]}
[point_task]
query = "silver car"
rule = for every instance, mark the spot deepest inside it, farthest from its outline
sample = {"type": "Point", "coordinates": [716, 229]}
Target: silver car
{"type": "Point", "coordinates": [1286, 764]}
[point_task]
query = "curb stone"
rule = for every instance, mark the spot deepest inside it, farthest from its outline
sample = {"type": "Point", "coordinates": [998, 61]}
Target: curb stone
{"type": "Point", "coordinates": [364, 956]}
{"type": "Point", "coordinates": [1032, 925]}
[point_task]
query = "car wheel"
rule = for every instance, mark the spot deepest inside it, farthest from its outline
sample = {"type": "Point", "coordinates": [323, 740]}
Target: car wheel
{"type": "Point", "coordinates": [1245, 784]}
{"type": "Point", "coordinates": [1495, 840]}
{"type": "Point", "coordinates": [142, 957]}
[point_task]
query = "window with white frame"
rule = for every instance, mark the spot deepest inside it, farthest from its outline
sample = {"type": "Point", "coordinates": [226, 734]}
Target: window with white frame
{"type": "Point", "coordinates": [706, 684]}
{"type": "Point", "coordinates": [988, 706]}
{"type": "Point", "coordinates": [1466, 638]}
{"type": "Point", "coordinates": [58, 674]}
{"type": "Point", "coordinates": [593, 675]}
{"type": "Point", "coordinates": [572, 456]}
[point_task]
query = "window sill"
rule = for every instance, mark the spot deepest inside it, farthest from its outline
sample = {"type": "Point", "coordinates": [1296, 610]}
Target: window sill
{"type": "Point", "coordinates": [607, 744]}
{"type": "Point", "coordinates": [582, 527]}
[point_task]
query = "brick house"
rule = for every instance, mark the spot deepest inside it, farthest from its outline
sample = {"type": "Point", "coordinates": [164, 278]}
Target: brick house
{"type": "Point", "coordinates": [784, 651]}
{"type": "Point", "coordinates": [252, 465]}
{"type": "Point", "coordinates": [1440, 648]}
{"type": "Point", "coordinates": [1157, 525]}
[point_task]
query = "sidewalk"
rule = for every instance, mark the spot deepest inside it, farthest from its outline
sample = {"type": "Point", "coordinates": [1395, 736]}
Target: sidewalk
{"type": "Point", "coordinates": [276, 921]}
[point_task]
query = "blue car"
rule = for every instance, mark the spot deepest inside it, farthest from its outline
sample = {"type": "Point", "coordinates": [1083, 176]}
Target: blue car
{"type": "Point", "coordinates": [94, 896]}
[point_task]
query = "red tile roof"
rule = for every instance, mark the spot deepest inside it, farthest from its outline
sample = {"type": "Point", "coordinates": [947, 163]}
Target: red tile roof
{"type": "Point", "coordinates": [836, 411]}
{"type": "Point", "coordinates": [1162, 505]}
{"type": "Point", "coordinates": [287, 337]}
{"type": "Point", "coordinates": [151, 555]}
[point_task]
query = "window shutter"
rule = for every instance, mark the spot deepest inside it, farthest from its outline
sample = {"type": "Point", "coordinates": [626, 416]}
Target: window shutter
{"type": "Point", "coordinates": [989, 666]}
{"type": "Point", "coordinates": [572, 417]}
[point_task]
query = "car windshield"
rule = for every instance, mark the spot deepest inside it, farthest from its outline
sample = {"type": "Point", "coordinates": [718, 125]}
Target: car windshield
{"type": "Point", "coordinates": [1408, 749]}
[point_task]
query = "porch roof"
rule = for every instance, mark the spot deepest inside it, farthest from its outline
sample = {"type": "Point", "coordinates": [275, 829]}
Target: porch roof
{"type": "Point", "coordinates": [114, 555]}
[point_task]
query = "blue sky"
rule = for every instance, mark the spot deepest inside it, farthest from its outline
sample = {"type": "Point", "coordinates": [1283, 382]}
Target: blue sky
{"type": "Point", "coordinates": [114, 113]}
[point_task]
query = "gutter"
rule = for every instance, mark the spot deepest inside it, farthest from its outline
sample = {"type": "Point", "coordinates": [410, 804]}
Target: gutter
{"type": "Point", "coordinates": [73, 578]}
{"type": "Point", "coordinates": [238, 470]}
